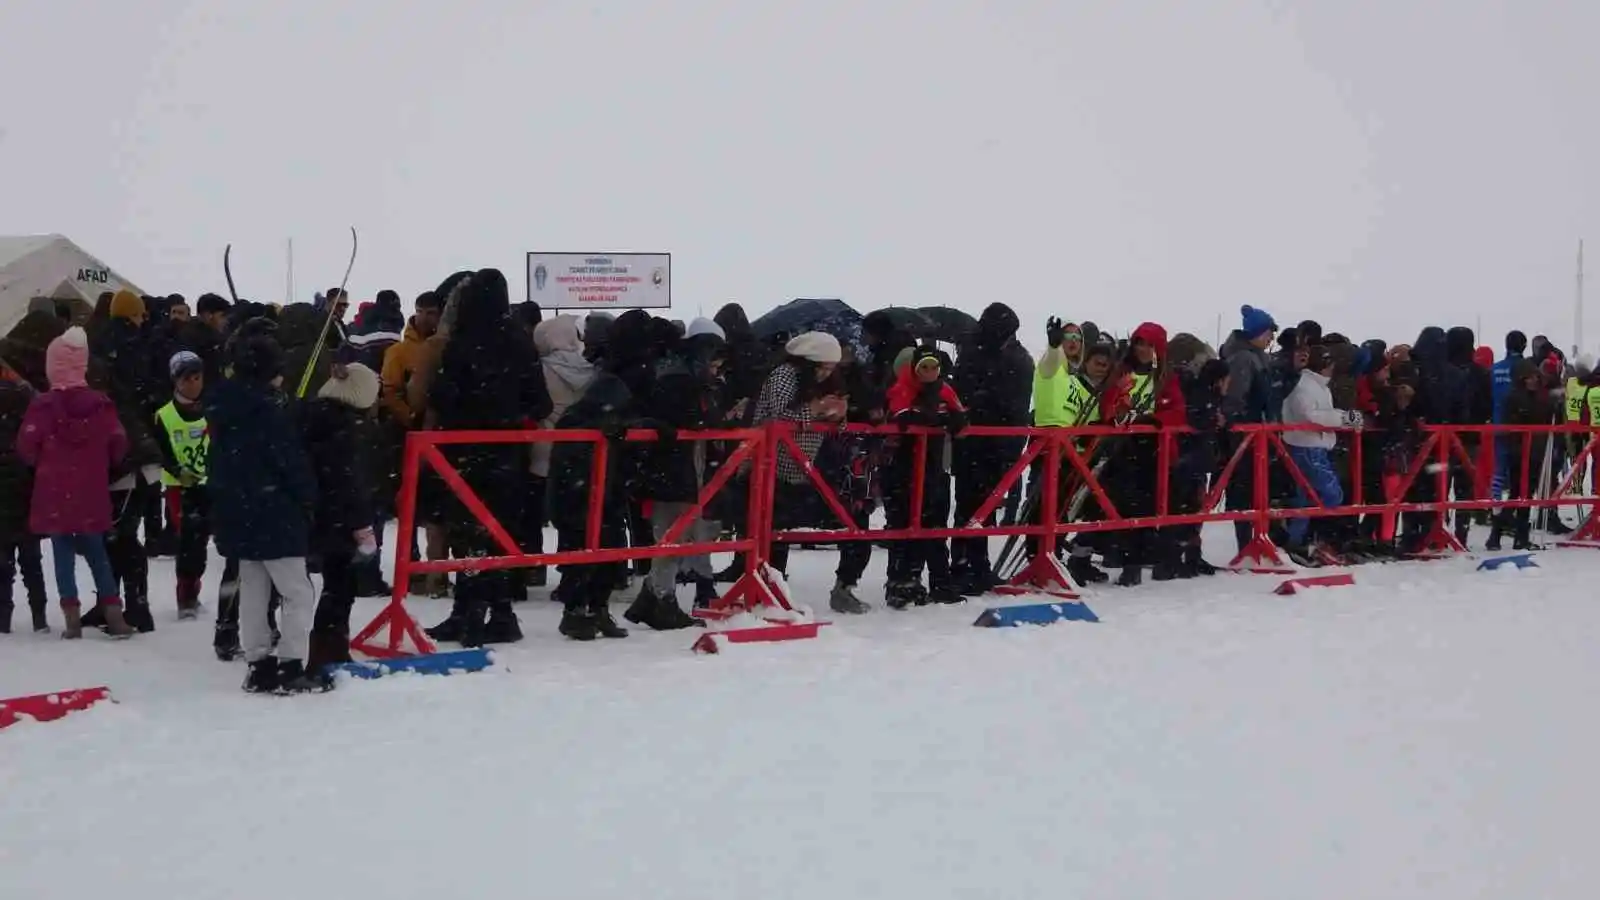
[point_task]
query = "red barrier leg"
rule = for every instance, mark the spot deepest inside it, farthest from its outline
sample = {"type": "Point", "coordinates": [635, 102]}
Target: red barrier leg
{"type": "Point", "coordinates": [1042, 575]}
{"type": "Point", "coordinates": [1587, 536]}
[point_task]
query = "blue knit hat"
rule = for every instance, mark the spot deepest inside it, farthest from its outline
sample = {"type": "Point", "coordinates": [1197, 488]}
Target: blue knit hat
{"type": "Point", "coordinates": [1256, 322]}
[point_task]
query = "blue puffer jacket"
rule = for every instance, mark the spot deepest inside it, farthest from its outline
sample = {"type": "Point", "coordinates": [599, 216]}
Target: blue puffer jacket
{"type": "Point", "coordinates": [1501, 378]}
{"type": "Point", "coordinates": [261, 485]}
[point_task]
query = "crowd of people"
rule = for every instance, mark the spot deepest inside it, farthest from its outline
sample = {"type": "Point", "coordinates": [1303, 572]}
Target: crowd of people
{"type": "Point", "coordinates": [277, 434]}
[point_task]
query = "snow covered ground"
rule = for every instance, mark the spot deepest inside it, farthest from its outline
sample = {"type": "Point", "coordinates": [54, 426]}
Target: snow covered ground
{"type": "Point", "coordinates": [1423, 734]}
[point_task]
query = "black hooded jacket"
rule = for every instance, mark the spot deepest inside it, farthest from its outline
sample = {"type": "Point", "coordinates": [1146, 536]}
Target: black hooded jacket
{"type": "Point", "coordinates": [119, 366]}
{"type": "Point", "coordinates": [1443, 393]}
{"type": "Point", "coordinates": [747, 362]}
{"type": "Point", "coordinates": [994, 377]}
{"type": "Point", "coordinates": [1461, 344]}
{"type": "Point", "coordinates": [338, 442]}
{"type": "Point", "coordinates": [684, 397]}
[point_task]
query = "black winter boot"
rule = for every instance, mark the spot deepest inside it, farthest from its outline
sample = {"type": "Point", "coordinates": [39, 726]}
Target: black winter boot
{"type": "Point", "coordinates": [605, 625]}
{"type": "Point", "coordinates": [578, 623]}
{"type": "Point", "coordinates": [328, 647]}
{"type": "Point", "coordinates": [659, 613]}
{"type": "Point", "coordinates": [294, 679]}
{"type": "Point", "coordinates": [1084, 572]}
{"type": "Point", "coordinates": [1497, 531]}
{"type": "Point", "coordinates": [900, 594]}
{"type": "Point", "coordinates": [262, 676]}
{"type": "Point", "coordinates": [137, 614]}
{"type": "Point", "coordinates": [41, 622]}
{"type": "Point", "coordinates": [503, 627]}
{"type": "Point", "coordinates": [1131, 577]}
{"type": "Point", "coordinates": [1195, 563]}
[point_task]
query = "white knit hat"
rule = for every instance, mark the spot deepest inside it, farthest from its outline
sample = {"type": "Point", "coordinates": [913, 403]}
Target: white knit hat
{"type": "Point", "coordinates": [704, 326]}
{"type": "Point", "coordinates": [357, 389]}
{"type": "Point", "coordinates": [816, 346]}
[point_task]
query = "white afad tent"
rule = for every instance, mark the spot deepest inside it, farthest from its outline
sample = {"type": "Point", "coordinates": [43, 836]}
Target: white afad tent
{"type": "Point", "coordinates": [49, 265]}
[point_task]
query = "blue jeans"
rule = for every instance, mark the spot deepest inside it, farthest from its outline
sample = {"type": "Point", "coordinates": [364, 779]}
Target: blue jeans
{"type": "Point", "coordinates": [66, 548]}
{"type": "Point", "coordinates": [1317, 466]}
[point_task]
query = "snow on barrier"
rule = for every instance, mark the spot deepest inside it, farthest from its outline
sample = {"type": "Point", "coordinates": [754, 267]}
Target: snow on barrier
{"type": "Point", "coordinates": [1067, 499]}
{"type": "Point", "coordinates": [455, 662]}
{"type": "Point", "coordinates": [49, 707]}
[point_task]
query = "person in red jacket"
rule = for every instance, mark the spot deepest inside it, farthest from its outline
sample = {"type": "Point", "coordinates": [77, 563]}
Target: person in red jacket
{"type": "Point", "coordinates": [73, 439]}
{"type": "Point", "coordinates": [1142, 391]}
{"type": "Point", "coordinates": [921, 396]}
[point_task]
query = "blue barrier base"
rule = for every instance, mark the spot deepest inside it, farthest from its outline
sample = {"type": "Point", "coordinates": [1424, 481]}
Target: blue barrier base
{"type": "Point", "coordinates": [1520, 560]}
{"type": "Point", "coordinates": [1035, 614]}
{"type": "Point", "coordinates": [446, 663]}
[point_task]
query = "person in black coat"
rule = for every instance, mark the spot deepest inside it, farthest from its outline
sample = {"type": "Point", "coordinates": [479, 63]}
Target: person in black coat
{"type": "Point", "coordinates": [338, 435]}
{"type": "Point", "coordinates": [1444, 391]}
{"type": "Point", "coordinates": [606, 406]}
{"type": "Point", "coordinates": [263, 492]}
{"type": "Point", "coordinates": [747, 362]}
{"type": "Point", "coordinates": [994, 378]}
{"type": "Point", "coordinates": [120, 367]}
{"type": "Point", "coordinates": [489, 379]}
{"type": "Point", "coordinates": [685, 396]}
{"type": "Point", "coordinates": [18, 547]}
{"type": "Point", "coordinates": [1178, 547]}
{"type": "Point", "coordinates": [1527, 403]}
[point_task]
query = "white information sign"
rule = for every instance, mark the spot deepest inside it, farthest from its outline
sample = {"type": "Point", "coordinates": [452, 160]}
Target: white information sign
{"type": "Point", "coordinates": [600, 280]}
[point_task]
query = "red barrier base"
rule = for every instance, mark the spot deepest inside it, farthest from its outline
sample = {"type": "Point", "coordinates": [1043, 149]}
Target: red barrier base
{"type": "Point", "coordinates": [1260, 557]}
{"type": "Point", "coordinates": [1295, 585]}
{"type": "Point", "coordinates": [1042, 575]}
{"type": "Point", "coordinates": [792, 631]}
{"type": "Point", "coordinates": [402, 628]}
{"type": "Point", "coordinates": [1587, 537]}
{"type": "Point", "coordinates": [49, 707]}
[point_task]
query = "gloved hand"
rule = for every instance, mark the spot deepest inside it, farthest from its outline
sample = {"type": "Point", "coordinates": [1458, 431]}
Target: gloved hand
{"type": "Point", "coordinates": [955, 421]}
{"type": "Point", "coordinates": [366, 543]}
{"type": "Point", "coordinates": [1054, 331]}
{"type": "Point", "coordinates": [1354, 419]}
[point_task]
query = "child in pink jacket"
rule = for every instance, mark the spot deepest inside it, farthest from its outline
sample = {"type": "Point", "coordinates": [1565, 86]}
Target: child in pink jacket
{"type": "Point", "coordinates": [72, 438]}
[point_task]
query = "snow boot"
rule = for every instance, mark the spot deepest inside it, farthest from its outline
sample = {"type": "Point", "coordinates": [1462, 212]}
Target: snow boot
{"type": "Point", "coordinates": [1497, 531]}
{"type": "Point", "coordinates": [449, 631]}
{"type": "Point", "coordinates": [946, 595]}
{"type": "Point", "coordinates": [262, 676]}
{"type": "Point", "coordinates": [900, 594]}
{"type": "Point", "coordinates": [41, 622]}
{"type": "Point", "coordinates": [659, 613]}
{"type": "Point", "coordinates": [578, 623]}
{"type": "Point", "coordinates": [1302, 557]}
{"type": "Point", "coordinates": [1524, 539]}
{"type": "Point", "coordinates": [1084, 572]}
{"type": "Point", "coordinates": [976, 582]}
{"type": "Point", "coordinates": [137, 613]}
{"type": "Point", "coordinates": [502, 627]}
{"type": "Point", "coordinates": [116, 626]}
{"type": "Point", "coordinates": [842, 599]}
{"type": "Point", "coordinates": [1195, 563]}
{"type": "Point", "coordinates": [605, 625]}
{"type": "Point", "coordinates": [920, 595]}
{"type": "Point", "coordinates": [188, 598]}
{"type": "Point", "coordinates": [294, 679]}
{"type": "Point", "coordinates": [72, 612]}
{"type": "Point", "coordinates": [1163, 571]}
{"type": "Point", "coordinates": [1131, 576]}
{"type": "Point", "coordinates": [705, 593]}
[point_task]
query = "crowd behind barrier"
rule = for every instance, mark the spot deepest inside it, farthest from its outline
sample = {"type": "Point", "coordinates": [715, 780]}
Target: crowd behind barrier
{"type": "Point", "coordinates": [293, 440]}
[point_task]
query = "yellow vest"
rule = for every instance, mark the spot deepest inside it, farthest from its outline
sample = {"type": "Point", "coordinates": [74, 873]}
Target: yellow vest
{"type": "Point", "coordinates": [190, 442]}
{"type": "Point", "coordinates": [1142, 393]}
{"type": "Point", "coordinates": [1083, 404]}
{"type": "Point", "coordinates": [1051, 396]}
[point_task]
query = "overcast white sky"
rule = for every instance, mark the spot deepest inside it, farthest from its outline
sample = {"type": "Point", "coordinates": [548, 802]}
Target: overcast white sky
{"type": "Point", "coordinates": [1377, 164]}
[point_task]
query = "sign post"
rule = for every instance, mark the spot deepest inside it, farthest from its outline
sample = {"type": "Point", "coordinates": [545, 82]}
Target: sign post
{"type": "Point", "coordinates": [600, 281]}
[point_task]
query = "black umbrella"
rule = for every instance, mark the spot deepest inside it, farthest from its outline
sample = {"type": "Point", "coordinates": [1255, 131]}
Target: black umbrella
{"type": "Point", "coordinates": [950, 325]}
{"type": "Point", "coordinates": [809, 314]}
{"type": "Point", "coordinates": [911, 321]}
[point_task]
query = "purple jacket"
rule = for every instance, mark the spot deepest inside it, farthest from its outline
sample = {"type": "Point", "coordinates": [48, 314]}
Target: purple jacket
{"type": "Point", "coordinates": [72, 439]}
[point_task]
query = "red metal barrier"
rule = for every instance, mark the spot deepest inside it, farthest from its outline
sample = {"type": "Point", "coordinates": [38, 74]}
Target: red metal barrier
{"type": "Point", "coordinates": [1069, 453]}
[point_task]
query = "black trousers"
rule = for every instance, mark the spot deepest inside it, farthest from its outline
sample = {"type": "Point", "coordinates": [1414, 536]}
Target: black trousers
{"type": "Point", "coordinates": [589, 585]}
{"type": "Point", "coordinates": [25, 555]}
{"type": "Point", "coordinates": [803, 507]}
{"type": "Point", "coordinates": [339, 572]}
{"type": "Point", "coordinates": [980, 463]}
{"type": "Point", "coordinates": [194, 531]}
{"type": "Point", "coordinates": [909, 558]}
{"type": "Point", "coordinates": [128, 560]}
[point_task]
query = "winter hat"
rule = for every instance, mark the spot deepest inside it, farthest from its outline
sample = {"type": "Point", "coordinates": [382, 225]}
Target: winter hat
{"type": "Point", "coordinates": [126, 305]}
{"type": "Point", "coordinates": [1483, 356]}
{"type": "Point", "coordinates": [358, 389]}
{"type": "Point", "coordinates": [704, 326]}
{"type": "Point", "coordinates": [1517, 343]}
{"type": "Point", "coordinates": [66, 360]}
{"type": "Point", "coordinates": [1256, 322]}
{"type": "Point", "coordinates": [1154, 335]}
{"type": "Point", "coordinates": [185, 363]}
{"type": "Point", "coordinates": [816, 346]}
